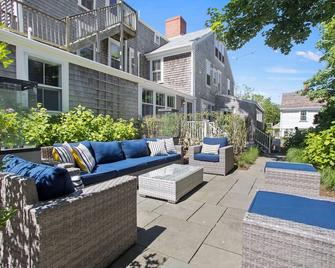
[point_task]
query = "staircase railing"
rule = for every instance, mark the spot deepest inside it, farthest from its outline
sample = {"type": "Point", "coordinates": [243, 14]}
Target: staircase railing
{"type": "Point", "coordinates": [200, 129]}
{"type": "Point", "coordinates": [262, 139]}
{"type": "Point", "coordinates": [24, 19]}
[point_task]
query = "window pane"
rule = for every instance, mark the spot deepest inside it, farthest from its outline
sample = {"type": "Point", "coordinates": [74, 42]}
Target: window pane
{"type": "Point", "coordinates": [52, 75]}
{"type": "Point", "coordinates": [156, 65]}
{"type": "Point", "coordinates": [147, 96]}
{"type": "Point", "coordinates": [51, 100]}
{"type": "Point", "coordinates": [87, 52]}
{"type": "Point", "coordinates": [160, 99]}
{"type": "Point", "coordinates": [88, 3]}
{"type": "Point", "coordinates": [171, 101]}
{"type": "Point", "coordinates": [35, 71]}
{"type": "Point", "coordinates": [208, 80]}
{"type": "Point", "coordinates": [147, 110]}
{"type": "Point", "coordinates": [156, 76]}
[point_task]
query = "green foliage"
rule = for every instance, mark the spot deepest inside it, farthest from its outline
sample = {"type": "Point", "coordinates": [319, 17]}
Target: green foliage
{"type": "Point", "coordinates": [296, 139]}
{"type": "Point", "coordinates": [5, 55]}
{"type": "Point", "coordinates": [5, 215]}
{"type": "Point", "coordinates": [248, 157]}
{"type": "Point", "coordinates": [10, 128]}
{"type": "Point", "coordinates": [282, 23]}
{"type": "Point", "coordinates": [320, 149]}
{"type": "Point", "coordinates": [328, 178]}
{"type": "Point", "coordinates": [295, 155]}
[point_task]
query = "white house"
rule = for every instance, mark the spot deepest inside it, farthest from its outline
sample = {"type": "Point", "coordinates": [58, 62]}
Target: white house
{"type": "Point", "coordinates": [297, 111]}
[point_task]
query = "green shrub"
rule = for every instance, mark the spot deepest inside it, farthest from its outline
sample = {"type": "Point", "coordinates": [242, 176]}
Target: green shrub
{"type": "Point", "coordinates": [248, 157]}
{"type": "Point", "coordinates": [10, 129]}
{"type": "Point", "coordinates": [296, 140]}
{"type": "Point", "coordinates": [320, 149]}
{"type": "Point", "coordinates": [328, 178]}
{"type": "Point", "coordinates": [295, 155]}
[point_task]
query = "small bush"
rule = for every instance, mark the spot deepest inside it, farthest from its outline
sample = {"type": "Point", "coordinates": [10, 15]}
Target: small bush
{"type": "Point", "coordinates": [295, 155]}
{"type": "Point", "coordinates": [296, 140]}
{"type": "Point", "coordinates": [248, 157]}
{"type": "Point", "coordinates": [328, 178]}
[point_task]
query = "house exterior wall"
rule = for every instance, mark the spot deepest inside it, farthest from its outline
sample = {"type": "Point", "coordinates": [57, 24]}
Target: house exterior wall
{"type": "Point", "coordinates": [205, 49]}
{"type": "Point", "coordinates": [177, 72]}
{"type": "Point", "coordinates": [289, 120]}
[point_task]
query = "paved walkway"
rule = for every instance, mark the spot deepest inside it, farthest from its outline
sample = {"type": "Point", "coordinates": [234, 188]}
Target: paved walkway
{"type": "Point", "coordinates": [202, 230]}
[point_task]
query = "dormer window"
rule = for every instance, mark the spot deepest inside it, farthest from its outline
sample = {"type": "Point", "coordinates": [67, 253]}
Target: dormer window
{"type": "Point", "coordinates": [157, 39]}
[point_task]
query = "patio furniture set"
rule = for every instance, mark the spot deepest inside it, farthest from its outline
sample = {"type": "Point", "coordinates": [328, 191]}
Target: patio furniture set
{"type": "Point", "coordinates": [78, 208]}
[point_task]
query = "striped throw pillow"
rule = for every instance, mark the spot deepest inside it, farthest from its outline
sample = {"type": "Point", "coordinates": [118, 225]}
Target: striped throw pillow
{"type": "Point", "coordinates": [210, 149]}
{"type": "Point", "coordinates": [77, 182]}
{"type": "Point", "coordinates": [157, 148]}
{"type": "Point", "coordinates": [169, 146]}
{"type": "Point", "coordinates": [83, 158]}
{"type": "Point", "coordinates": [63, 154]}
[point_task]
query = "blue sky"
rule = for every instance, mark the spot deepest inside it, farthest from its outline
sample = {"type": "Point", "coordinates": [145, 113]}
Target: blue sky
{"type": "Point", "coordinates": [267, 71]}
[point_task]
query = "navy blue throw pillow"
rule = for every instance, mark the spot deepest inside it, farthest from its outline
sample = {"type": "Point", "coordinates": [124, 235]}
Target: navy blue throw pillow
{"type": "Point", "coordinates": [107, 152]}
{"type": "Point", "coordinates": [51, 182]}
{"type": "Point", "coordinates": [135, 148]}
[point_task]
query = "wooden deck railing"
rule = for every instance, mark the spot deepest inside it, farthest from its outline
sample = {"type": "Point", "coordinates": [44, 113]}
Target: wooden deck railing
{"type": "Point", "coordinates": [262, 139]}
{"type": "Point", "coordinates": [24, 19]}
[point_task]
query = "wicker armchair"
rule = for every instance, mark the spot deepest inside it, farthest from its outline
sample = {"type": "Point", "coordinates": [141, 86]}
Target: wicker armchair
{"type": "Point", "coordinates": [225, 164]}
{"type": "Point", "coordinates": [89, 228]}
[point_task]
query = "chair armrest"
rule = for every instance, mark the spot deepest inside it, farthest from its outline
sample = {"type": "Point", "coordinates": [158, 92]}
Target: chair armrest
{"type": "Point", "coordinates": [195, 149]}
{"type": "Point", "coordinates": [47, 157]}
{"type": "Point", "coordinates": [180, 150]}
{"type": "Point", "coordinates": [226, 151]}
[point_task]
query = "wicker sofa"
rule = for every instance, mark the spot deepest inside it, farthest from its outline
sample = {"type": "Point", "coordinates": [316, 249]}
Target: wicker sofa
{"type": "Point", "coordinates": [88, 228]}
{"type": "Point", "coordinates": [220, 164]}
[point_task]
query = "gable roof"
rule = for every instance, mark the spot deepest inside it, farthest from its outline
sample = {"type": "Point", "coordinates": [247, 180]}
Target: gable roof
{"type": "Point", "coordinates": [181, 41]}
{"type": "Point", "coordinates": [295, 100]}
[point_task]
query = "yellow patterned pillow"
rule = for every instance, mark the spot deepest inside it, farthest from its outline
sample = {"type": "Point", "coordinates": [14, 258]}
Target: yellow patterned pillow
{"type": "Point", "coordinates": [83, 158]}
{"type": "Point", "coordinates": [63, 154]}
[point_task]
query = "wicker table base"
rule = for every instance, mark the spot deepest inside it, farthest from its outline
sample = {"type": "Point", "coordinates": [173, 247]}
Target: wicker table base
{"type": "Point", "coordinates": [171, 182]}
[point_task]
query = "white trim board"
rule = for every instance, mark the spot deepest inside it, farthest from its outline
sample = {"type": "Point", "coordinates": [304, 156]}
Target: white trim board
{"type": "Point", "coordinates": [51, 52]}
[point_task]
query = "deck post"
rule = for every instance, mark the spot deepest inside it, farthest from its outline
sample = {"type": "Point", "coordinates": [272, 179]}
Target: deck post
{"type": "Point", "coordinates": [67, 33]}
{"type": "Point", "coordinates": [122, 60]}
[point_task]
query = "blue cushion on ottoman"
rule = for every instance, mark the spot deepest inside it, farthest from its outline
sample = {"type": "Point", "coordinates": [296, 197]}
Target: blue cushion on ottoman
{"type": "Point", "coordinates": [51, 182]}
{"type": "Point", "coordinates": [107, 152]}
{"type": "Point", "coordinates": [213, 141]}
{"type": "Point", "coordinates": [135, 148]}
{"type": "Point", "coordinates": [295, 208]}
{"type": "Point", "coordinates": [207, 157]}
{"type": "Point", "coordinates": [291, 166]}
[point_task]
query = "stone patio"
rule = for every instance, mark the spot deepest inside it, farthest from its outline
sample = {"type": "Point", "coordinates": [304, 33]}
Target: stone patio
{"type": "Point", "coordinates": [201, 230]}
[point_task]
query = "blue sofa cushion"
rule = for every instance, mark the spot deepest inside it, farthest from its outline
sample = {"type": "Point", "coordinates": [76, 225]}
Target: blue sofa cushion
{"type": "Point", "coordinates": [135, 148]}
{"type": "Point", "coordinates": [107, 152]}
{"type": "Point", "coordinates": [223, 141]}
{"type": "Point", "coordinates": [108, 171]}
{"type": "Point", "coordinates": [290, 166]}
{"type": "Point", "coordinates": [207, 157]}
{"type": "Point", "coordinates": [51, 182]}
{"type": "Point", "coordinates": [295, 208]}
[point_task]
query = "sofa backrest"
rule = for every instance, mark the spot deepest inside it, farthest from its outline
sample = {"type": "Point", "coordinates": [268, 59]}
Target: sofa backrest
{"type": "Point", "coordinates": [222, 141]}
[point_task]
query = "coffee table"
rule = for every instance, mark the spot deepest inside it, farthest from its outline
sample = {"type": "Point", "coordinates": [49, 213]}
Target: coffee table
{"type": "Point", "coordinates": [170, 182]}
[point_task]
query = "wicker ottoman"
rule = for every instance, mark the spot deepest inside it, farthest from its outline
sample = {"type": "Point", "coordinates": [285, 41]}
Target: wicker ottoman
{"type": "Point", "coordinates": [293, 178]}
{"type": "Point", "coordinates": [171, 182]}
{"type": "Point", "coordinates": [282, 230]}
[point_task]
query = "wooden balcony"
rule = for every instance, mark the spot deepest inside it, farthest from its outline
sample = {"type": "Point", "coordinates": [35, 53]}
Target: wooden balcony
{"type": "Point", "coordinates": [73, 32]}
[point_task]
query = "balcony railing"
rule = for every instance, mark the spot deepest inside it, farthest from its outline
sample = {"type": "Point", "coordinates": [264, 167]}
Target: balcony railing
{"type": "Point", "coordinates": [24, 19]}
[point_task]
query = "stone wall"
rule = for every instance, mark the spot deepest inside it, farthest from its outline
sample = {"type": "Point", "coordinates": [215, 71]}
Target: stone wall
{"type": "Point", "coordinates": [178, 72]}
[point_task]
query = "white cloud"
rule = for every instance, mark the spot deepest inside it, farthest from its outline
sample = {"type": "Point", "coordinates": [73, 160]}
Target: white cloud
{"type": "Point", "coordinates": [309, 55]}
{"type": "Point", "coordinates": [282, 70]}
{"type": "Point", "coordinates": [287, 78]}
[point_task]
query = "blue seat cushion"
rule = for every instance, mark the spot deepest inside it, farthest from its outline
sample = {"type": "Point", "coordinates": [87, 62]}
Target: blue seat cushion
{"type": "Point", "coordinates": [295, 208]}
{"type": "Point", "coordinates": [291, 166]}
{"type": "Point", "coordinates": [223, 141]}
{"type": "Point", "coordinates": [51, 182]}
{"type": "Point", "coordinates": [107, 152]}
{"type": "Point", "coordinates": [207, 157]}
{"type": "Point", "coordinates": [135, 148]}
{"type": "Point", "coordinates": [108, 171]}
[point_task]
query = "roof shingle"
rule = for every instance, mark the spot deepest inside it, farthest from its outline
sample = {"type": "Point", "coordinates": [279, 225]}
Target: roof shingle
{"type": "Point", "coordinates": [295, 100]}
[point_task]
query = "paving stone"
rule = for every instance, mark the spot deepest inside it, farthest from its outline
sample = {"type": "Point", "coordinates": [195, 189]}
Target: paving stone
{"type": "Point", "coordinates": [233, 213]}
{"type": "Point", "coordinates": [145, 217]}
{"type": "Point", "coordinates": [236, 200]}
{"type": "Point", "coordinates": [211, 257]}
{"type": "Point", "coordinates": [227, 235]}
{"type": "Point", "coordinates": [137, 256]}
{"type": "Point", "coordinates": [173, 263]}
{"type": "Point", "coordinates": [139, 198]}
{"type": "Point", "coordinates": [150, 204]}
{"type": "Point", "coordinates": [182, 210]}
{"type": "Point", "coordinates": [209, 197]}
{"type": "Point", "coordinates": [208, 215]}
{"type": "Point", "coordinates": [176, 238]}
{"type": "Point", "coordinates": [209, 177]}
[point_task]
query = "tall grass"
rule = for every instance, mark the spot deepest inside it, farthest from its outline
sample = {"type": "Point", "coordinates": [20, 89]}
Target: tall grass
{"type": "Point", "coordinates": [295, 155]}
{"type": "Point", "coordinates": [248, 157]}
{"type": "Point", "coordinates": [328, 178]}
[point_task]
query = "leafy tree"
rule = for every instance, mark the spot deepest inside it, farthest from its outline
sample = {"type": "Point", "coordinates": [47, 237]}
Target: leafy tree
{"type": "Point", "coordinates": [282, 23]}
{"type": "Point", "coordinates": [4, 53]}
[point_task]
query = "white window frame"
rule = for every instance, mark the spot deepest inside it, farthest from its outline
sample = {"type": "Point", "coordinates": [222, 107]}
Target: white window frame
{"type": "Point", "coordinates": [215, 77]}
{"type": "Point", "coordinates": [130, 57]}
{"type": "Point", "coordinates": [219, 81]}
{"type": "Point", "coordinates": [138, 63]}
{"type": "Point", "coordinates": [83, 7]}
{"type": "Point", "coordinates": [303, 113]}
{"type": "Point", "coordinates": [161, 70]}
{"type": "Point", "coordinates": [228, 87]}
{"type": "Point", "coordinates": [109, 51]}
{"type": "Point", "coordinates": [157, 38]}
{"type": "Point", "coordinates": [208, 72]}
{"type": "Point", "coordinates": [175, 101]}
{"type": "Point", "coordinates": [220, 47]}
{"type": "Point", "coordinates": [94, 50]}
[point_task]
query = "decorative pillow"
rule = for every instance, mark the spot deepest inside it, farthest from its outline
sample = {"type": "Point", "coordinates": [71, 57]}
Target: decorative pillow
{"type": "Point", "coordinates": [157, 148]}
{"type": "Point", "coordinates": [77, 182]}
{"type": "Point", "coordinates": [63, 154]}
{"type": "Point", "coordinates": [107, 152]}
{"type": "Point", "coordinates": [210, 149]}
{"type": "Point", "coordinates": [169, 146]}
{"type": "Point", "coordinates": [83, 158]}
{"type": "Point", "coordinates": [135, 148]}
{"type": "Point", "coordinates": [51, 182]}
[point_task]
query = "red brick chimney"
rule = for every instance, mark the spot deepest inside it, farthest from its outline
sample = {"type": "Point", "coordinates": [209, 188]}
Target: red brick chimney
{"type": "Point", "coordinates": [175, 26]}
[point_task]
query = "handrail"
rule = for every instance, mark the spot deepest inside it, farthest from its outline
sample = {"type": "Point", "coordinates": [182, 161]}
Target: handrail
{"type": "Point", "coordinates": [263, 139]}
